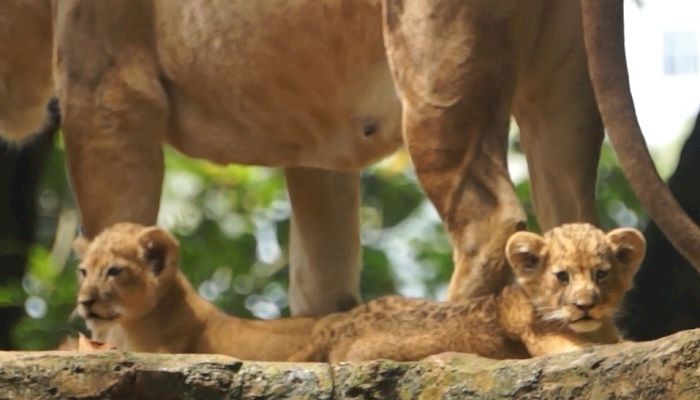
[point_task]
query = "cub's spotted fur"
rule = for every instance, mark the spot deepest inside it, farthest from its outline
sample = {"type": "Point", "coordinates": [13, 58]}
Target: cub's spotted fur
{"type": "Point", "coordinates": [569, 284]}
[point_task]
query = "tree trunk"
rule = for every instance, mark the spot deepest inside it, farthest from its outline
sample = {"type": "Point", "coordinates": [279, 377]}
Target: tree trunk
{"type": "Point", "coordinates": [663, 369]}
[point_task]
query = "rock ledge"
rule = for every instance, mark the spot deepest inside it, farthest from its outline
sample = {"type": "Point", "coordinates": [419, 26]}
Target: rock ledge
{"type": "Point", "coordinates": [665, 368]}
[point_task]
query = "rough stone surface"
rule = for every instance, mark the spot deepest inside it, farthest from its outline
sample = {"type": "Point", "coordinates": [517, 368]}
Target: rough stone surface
{"type": "Point", "coordinates": [666, 368]}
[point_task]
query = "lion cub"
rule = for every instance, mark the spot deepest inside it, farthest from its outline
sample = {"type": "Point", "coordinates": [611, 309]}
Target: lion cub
{"type": "Point", "coordinates": [569, 284]}
{"type": "Point", "coordinates": [133, 295]}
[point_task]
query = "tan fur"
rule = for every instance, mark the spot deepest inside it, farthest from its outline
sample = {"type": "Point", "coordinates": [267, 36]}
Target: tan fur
{"type": "Point", "coordinates": [25, 66]}
{"type": "Point", "coordinates": [539, 314]}
{"type": "Point", "coordinates": [134, 297]}
{"type": "Point", "coordinates": [321, 88]}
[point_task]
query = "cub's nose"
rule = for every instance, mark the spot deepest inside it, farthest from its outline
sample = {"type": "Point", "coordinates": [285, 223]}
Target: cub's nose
{"type": "Point", "coordinates": [86, 302]}
{"type": "Point", "coordinates": [584, 306]}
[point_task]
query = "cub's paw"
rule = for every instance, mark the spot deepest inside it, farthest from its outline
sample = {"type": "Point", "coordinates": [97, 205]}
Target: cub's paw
{"type": "Point", "coordinates": [443, 359]}
{"type": "Point", "coordinates": [88, 346]}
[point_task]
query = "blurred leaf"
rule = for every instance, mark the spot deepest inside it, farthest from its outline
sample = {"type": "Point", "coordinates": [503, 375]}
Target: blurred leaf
{"type": "Point", "coordinates": [39, 264]}
{"type": "Point", "coordinates": [376, 277]}
{"type": "Point", "coordinates": [395, 196]}
{"type": "Point", "coordinates": [11, 294]}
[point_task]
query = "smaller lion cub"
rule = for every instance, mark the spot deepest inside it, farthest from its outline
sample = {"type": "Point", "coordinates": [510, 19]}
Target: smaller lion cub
{"type": "Point", "coordinates": [133, 295]}
{"type": "Point", "coordinates": [568, 286]}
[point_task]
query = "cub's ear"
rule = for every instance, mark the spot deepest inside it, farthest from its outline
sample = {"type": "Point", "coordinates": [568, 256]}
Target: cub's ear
{"type": "Point", "coordinates": [525, 252]}
{"type": "Point", "coordinates": [628, 246]}
{"type": "Point", "coordinates": [159, 248]}
{"type": "Point", "coordinates": [80, 245]}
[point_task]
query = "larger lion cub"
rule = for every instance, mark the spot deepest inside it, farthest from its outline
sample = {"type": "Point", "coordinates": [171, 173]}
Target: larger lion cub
{"type": "Point", "coordinates": [133, 295]}
{"type": "Point", "coordinates": [569, 284]}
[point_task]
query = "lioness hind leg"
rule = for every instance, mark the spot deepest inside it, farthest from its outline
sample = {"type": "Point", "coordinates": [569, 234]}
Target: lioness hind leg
{"type": "Point", "coordinates": [454, 65]}
{"type": "Point", "coordinates": [324, 240]}
{"type": "Point", "coordinates": [560, 127]}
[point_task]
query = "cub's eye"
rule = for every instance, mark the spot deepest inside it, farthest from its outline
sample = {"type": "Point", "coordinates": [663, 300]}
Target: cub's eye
{"type": "Point", "coordinates": [114, 271]}
{"type": "Point", "coordinates": [601, 274]}
{"type": "Point", "coordinates": [82, 272]}
{"type": "Point", "coordinates": [562, 276]}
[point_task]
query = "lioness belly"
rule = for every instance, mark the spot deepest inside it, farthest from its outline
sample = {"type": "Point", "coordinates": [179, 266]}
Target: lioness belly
{"type": "Point", "coordinates": [278, 82]}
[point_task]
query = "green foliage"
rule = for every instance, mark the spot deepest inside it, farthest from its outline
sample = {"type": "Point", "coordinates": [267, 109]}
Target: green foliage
{"type": "Point", "coordinates": [617, 203]}
{"type": "Point", "coordinates": [233, 224]}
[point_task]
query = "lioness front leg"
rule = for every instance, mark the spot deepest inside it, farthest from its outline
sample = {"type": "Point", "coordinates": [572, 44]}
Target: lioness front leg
{"type": "Point", "coordinates": [116, 174]}
{"type": "Point", "coordinates": [324, 241]}
{"type": "Point", "coordinates": [454, 66]}
{"type": "Point", "coordinates": [114, 112]}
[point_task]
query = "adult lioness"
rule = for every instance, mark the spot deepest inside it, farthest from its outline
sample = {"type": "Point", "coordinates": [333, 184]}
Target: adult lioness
{"type": "Point", "coordinates": [133, 296]}
{"type": "Point", "coordinates": [307, 85]}
{"type": "Point", "coordinates": [569, 284]}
